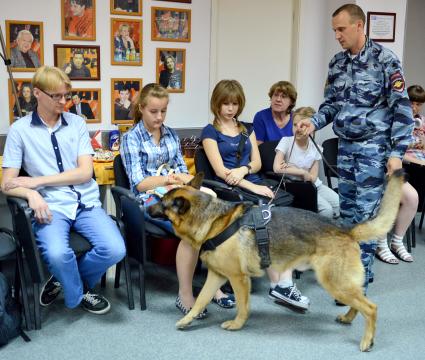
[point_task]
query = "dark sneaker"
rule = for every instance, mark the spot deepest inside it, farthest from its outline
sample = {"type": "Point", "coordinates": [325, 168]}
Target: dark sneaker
{"type": "Point", "coordinates": [290, 295]}
{"type": "Point", "coordinates": [50, 291]}
{"type": "Point", "coordinates": [184, 310]}
{"type": "Point", "coordinates": [95, 303]}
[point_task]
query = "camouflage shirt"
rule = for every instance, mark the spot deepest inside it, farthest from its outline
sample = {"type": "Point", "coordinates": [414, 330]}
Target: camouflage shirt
{"type": "Point", "coordinates": [365, 97]}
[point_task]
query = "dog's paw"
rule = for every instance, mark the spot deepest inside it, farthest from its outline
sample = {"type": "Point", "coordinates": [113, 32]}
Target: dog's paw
{"type": "Point", "coordinates": [366, 345]}
{"type": "Point", "coordinates": [231, 325]}
{"type": "Point", "coordinates": [183, 323]}
{"type": "Point", "coordinates": [342, 319]}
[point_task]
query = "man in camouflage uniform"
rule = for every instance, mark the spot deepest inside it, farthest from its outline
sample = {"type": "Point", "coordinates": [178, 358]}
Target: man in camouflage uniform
{"type": "Point", "coordinates": [366, 99]}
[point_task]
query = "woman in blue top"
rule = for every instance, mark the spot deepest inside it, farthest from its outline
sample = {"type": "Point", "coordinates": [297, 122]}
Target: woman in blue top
{"type": "Point", "coordinates": [221, 141]}
{"type": "Point", "coordinates": [275, 122]}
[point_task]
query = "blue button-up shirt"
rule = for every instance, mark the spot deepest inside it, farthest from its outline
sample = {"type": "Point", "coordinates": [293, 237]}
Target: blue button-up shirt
{"type": "Point", "coordinates": [142, 157]}
{"type": "Point", "coordinates": [42, 151]}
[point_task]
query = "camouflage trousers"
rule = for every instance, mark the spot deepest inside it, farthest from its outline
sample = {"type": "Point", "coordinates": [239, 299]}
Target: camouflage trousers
{"type": "Point", "coordinates": [361, 168]}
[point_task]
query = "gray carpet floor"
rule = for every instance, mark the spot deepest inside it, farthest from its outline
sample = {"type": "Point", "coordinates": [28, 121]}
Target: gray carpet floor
{"type": "Point", "coordinates": [272, 331]}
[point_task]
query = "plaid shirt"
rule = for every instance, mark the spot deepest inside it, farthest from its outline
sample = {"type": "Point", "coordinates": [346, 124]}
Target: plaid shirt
{"type": "Point", "coordinates": [142, 157]}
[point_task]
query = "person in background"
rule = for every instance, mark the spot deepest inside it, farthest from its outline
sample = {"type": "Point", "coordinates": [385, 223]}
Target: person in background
{"type": "Point", "coordinates": [144, 148]}
{"type": "Point", "coordinates": [297, 156]}
{"type": "Point", "coordinates": [81, 108]}
{"type": "Point", "coordinates": [22, 56]}
{"type": "Point", "coordinates": [76, 67]}
{"type": "Point", "coordinates": [416, 150]}
{"type": "Point", "coordinates": [221, 142]}
{"type": "Point", "coordinates": [276, 121]}
{"type": "Point", "coordinates": [124, 44]}
{"type": "Point", "coordinates": [80, 22]}
{"type": "Point", "coordinates": [366, 100]}
{"type": "Point", "coordinates": [123, 107]}
{"type": "Point", "coordinates": [53, 147]}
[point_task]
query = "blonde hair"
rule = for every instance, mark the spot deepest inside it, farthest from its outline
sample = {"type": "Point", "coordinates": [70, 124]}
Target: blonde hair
{"type": "Point", "coordinates": [50, 78]}
{"type": "Point", "coordinates": [301, 113]}
{"type": "Point", "coordinates": [227, 91]}
{"type": "Point", "coordinates": [153, 90]}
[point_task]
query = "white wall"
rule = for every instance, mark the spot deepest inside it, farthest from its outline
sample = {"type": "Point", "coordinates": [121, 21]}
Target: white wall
{"type": "Point", "coordinates": [186, 110]}
{"type": "Point", "coordinates": [414, 50]}
{"type": "Point", "coordinates": [251, 43]}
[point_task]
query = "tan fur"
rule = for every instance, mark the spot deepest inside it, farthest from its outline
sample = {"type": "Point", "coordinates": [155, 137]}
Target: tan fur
{"type": "Point", "coordinates": [297, 237]}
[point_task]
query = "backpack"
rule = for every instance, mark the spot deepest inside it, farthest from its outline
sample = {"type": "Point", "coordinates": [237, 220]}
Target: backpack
{"type": "Point", "coordinates": [10, 316]}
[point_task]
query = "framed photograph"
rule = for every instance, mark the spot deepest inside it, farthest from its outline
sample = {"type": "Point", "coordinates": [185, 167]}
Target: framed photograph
{"type": "Point", "coordinates": [170, 69]}
{"type": "Point", "coordinates": [126, 42]}
{"type": "Point", "coordinates": [25, 45]}
{"type": "Point", "coordinates": [381, 26]}
{"type": "Point", "coordinates": [179, 1]}
{"type": "Point", "coordinates": [80, 62]}
{"type": "Point", "coordinates": [169, 24]}
{"type": "Point", "coordinates": [26, 98]}
{"type": "Point", "coordinates": [124, 94]}
{"type": "Point", "coordinates": [126, 7]}
{"type": "Point", "coordinates": [86, 103]}
{"type": "Point", "coordinates": [78, 19]}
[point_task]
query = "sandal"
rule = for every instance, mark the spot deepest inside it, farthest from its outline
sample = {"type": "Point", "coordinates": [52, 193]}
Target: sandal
{"type": "Point", "coordinates": [185, 310]}
{"type": "Point", "coordinates": [384, 254]}
{"type": "Point", "coordinates": [401, 252]}
{"type": "Point", "coordinates": [228, 301]}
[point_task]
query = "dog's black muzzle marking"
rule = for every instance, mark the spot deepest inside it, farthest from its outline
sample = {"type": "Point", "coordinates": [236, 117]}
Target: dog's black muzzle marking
{"type": "Point", "coordinates": [157, 211]}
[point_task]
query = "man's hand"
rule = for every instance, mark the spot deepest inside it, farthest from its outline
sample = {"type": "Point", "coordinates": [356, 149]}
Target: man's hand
{"type": "Point", "coordinates": [393, 164]}
{"type": "Point", "coordinates": [305, 126]}
{"type": "Point", "coordinates": [42, 212]}
{"type": "Point", "coordinates": [22, 181]}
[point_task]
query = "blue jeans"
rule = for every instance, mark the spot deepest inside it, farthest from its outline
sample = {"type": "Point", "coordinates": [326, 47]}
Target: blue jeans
{"type": "Point", "coordinates": [53, 242]}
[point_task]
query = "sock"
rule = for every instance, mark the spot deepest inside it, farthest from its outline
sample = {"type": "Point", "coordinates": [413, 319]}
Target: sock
{"type": "Point", "coordinates": [383, 243]}
{"type": "Point", "coordinates": [285, 283]}
{"type": "Point", "coordinates": [397, 240]}
{"type": "Point", "coordinates": [272, 285]}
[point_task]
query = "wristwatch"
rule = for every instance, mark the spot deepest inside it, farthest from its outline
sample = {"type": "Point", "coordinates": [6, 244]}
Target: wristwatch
{"type": "Point", "coordinates": [249, 168]}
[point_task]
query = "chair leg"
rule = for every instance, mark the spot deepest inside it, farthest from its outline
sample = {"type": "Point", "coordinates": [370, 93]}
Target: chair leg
{"type": "Point", "coordinates": [103, 281]}
{"type": "Point", "coordinates": [117, 275]}
{"type": "Point", "coordinates": [37, 314]}
{"type": "Point", "coordinates": [298, 274]}
{"type": "Point", "coordinates": [127, 271]}
{"type": "Point", "coordinates": [408, 240]}
{"type": "Point", "coordinates": [413, 231]}
{"type": "Point", "coordinates": [422, 215]}
{"type": "Point", "coordinates": [142, 287]}
{"type": "Point", "coordinates": [21, 287]}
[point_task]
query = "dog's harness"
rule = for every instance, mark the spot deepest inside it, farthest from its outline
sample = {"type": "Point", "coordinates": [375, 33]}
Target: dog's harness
{"type": "Point", "coordinates": [256, 218]}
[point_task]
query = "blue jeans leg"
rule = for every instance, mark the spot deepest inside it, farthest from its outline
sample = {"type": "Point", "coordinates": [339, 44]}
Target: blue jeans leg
{"type": "Point", "coordinates": [53, 242]}
{"type": "Point", "coordinates": [108, 245]}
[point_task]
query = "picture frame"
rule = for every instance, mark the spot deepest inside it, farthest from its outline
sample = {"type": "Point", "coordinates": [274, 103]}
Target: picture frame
{"type": "Point", "coordinates": [80, 62]}
{"type": "Point", "coordinates": [87, 103]}
{"type": "Point", "coordinates": [78, 20]}
{"type": "Point", "coordinates": [126, 7]}
{"type": "Point", "coordinates": [381, 26]}
{"type": "Point", "coordinates": [173, 81]}
{"type": "Point", "coordinates": [124, 94]}
{"type": "Point", "coordinates": [170, 24]}
{"type": "Point", "coordinates": [26, 98]}
{"type": "Point", "coordinates": [179, 1]}
{"type": "Point", "coordinates": [25, 37]}
{"type": "Point", "coordinates": [126, 42]}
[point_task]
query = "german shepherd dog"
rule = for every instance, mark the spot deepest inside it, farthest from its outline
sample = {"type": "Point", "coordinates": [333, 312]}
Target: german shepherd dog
{"type": "Point", "coordinates": [297, 237]}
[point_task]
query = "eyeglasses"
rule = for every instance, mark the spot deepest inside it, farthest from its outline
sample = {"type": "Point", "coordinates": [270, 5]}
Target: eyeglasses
{"type": "Point", "coordinates": [57, 97]}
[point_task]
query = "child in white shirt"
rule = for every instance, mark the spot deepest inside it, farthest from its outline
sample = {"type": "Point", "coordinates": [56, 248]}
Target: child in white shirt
{"type": "Point", "coordinates": [297, 157]}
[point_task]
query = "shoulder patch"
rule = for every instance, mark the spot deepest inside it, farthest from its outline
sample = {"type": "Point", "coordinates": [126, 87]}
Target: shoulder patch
{"type": "Point", "coordinates": [397, 82]}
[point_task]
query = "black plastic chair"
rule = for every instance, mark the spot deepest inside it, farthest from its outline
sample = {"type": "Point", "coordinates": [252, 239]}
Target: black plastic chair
{"type": "Point", "coordinates": [304, 192]}
{"type": "Point", "coordinates": [330, 154]}
{"type": "Point", "coordinates": [10, 250]}
{"type": "Point", "coordinates": [136, 228]}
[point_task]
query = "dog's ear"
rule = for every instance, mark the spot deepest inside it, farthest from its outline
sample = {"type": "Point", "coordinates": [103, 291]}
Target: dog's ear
{"type": "Point", "coordinates": [181, 205]}
{"type": "Point", "coordinates": [196, 182]}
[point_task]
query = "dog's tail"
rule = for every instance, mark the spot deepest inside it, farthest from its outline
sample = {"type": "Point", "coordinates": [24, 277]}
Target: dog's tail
{"type": "Point", "coordinates": [383, 222]}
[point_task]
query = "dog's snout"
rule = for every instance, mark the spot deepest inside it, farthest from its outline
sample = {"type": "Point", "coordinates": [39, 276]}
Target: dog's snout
{"type": "Point", "coordinates": [156, 210]}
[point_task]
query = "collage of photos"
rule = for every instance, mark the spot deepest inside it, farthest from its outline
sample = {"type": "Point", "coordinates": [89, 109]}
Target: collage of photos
{"type": "Point", "coordinates": [25, 47]}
